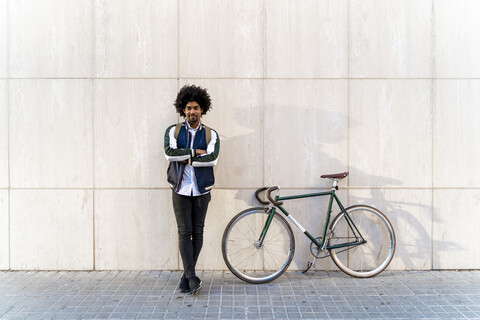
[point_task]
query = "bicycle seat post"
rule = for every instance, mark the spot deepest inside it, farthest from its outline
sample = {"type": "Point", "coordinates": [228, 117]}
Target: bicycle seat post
{"type": "Point", "coordinates": [334, 186]}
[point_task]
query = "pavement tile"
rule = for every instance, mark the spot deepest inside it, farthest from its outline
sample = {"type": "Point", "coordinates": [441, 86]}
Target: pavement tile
{"type": "Point", "coordinates": [315, 295]}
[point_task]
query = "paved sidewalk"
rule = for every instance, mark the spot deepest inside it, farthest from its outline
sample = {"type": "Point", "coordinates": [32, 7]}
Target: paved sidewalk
{"type": "Point", "coordinates": [315, 295]}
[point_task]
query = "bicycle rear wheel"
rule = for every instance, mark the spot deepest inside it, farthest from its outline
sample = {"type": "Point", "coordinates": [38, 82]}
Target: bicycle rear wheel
{"type": "Point", "coordinates": [246, 258]}
{"type": "Point", "coordinates": [367, 259]}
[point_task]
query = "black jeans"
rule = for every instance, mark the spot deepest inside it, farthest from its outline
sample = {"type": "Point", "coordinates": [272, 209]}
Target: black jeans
{"type": "Point", "coordinates": [190, 213]}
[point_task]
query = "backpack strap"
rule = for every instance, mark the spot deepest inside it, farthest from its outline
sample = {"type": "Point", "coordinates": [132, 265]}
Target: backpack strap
{"type": "Point", "coordinates": [177, 129]}
{"type": "Point", "coordinates": [208, 134]}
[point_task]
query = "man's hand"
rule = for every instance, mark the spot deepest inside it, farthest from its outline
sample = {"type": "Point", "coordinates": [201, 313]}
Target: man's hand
{"type": "Point", "coordinates": [200, 151]}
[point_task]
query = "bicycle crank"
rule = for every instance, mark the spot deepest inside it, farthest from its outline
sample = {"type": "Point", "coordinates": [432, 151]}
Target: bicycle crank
{"type": "Point", "coordinates": [318, 252]}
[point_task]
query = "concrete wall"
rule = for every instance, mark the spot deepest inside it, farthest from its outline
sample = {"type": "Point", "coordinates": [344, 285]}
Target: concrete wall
{"type": "Point", "coordinates": [388, 90]}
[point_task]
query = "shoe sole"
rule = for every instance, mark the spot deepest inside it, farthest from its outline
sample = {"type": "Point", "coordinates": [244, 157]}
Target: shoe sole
{"type": "Point", "coordinates": [195, 291]}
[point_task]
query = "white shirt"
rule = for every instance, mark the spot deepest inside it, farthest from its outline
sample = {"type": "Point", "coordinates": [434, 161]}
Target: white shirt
{"type": "Point", "coordinates": [189, 183]}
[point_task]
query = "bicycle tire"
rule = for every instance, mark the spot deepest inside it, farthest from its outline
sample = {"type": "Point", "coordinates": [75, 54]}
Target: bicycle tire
{"type": "Point", "coordinates": [241, 253]}
{"type": "Point", "coordinates": [368, 259]}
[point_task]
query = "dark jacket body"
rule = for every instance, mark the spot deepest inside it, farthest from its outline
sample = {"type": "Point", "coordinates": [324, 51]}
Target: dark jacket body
{"type": "Point", "coordinates": [178, 152]}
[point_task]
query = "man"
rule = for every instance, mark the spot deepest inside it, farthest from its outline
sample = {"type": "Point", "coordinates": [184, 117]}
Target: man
{"type": "Point", "coordinates": [192, 149]}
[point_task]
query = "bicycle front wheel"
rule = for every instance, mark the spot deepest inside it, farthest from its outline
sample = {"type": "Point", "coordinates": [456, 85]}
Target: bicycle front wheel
{"type": "Point", "coordinates": [251, 261]}
{"type": "Point", "coordinates": [367, 259]}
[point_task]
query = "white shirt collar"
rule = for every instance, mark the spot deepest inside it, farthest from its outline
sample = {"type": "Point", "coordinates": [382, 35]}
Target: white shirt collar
{"type": "Point", "coordinates": [189, 127]}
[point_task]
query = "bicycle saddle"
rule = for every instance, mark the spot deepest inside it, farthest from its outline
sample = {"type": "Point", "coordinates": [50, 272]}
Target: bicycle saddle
{"type": "Point", "coordinates": [336, 175]}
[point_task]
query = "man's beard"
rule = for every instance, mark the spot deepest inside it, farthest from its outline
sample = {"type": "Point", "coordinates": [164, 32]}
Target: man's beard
{"type": "Point", "coordinates": [192, 118]}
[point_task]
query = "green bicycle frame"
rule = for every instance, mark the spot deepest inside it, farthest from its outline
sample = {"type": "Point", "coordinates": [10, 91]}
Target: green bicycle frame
{"type": "Point", "coordinates": [330, 203]}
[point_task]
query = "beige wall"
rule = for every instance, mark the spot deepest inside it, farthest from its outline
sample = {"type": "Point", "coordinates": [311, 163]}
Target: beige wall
{"type": "Point", "coordinates": [388, 90]}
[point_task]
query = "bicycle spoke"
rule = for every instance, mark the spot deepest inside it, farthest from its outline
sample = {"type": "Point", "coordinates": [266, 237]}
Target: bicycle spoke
{"type": "Point", "coordinates": [272, 257]}
{"type": "Point", "coordinates": [244, 234]}
{"type": "Point", "coordinates": [275, 255]}
{"type": "Point", "coordinates": [238, 251]}
{"type": "Point", "coordinates": [243, 239]}
{"type": "Point", "coordinates": [248, 258]}
{"type": "Point", "coordinates": [253, 231]}
{"type": "Point", "coordinates": [270, 239]}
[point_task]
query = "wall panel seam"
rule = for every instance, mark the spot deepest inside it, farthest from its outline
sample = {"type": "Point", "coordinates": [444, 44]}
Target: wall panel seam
{"type": "Point", "coordinates": [253, 188]}
{"type": "Point", "coordinates": [93, 174]}
{"type": "Point", "coordinates": [94, 67]}
{"type": "Point", "coordinates": [178, 42]}
{"type": "Point", "coordinates": [179, 259]}
{"type": "Point", "coordinates": [348, 100]}
{"type": "Point", "coordinates": [264, 71]}
{"type": "Point", "coordinates": [225, 78]}
{"type": "Point", "coordinates": [433, 104]}
{"type": "Point", "coordinates": [8, 134]}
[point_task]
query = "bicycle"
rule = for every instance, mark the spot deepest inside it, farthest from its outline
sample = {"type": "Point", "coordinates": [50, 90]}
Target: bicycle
{"type": "Point", "coordinates": [258, 243]}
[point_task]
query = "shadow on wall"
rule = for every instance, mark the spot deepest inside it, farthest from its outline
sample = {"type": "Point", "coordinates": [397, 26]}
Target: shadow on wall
{"type": "Point", "coordinates": [411, 214]}
{"type": "Point", "coordinates": [305, 154]}
{"type": "Point", "coordinates": [241, 144]}
{"type": "Point", "coordinates": [295, 160]}
{"type": "Point", "coordinates": [315, 152]}
{"type": "Point", "coordinates": [315, 144]}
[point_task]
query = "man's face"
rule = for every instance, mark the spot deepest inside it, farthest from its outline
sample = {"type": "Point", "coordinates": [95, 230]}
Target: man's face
{"type": "Point", "coordinates": [193, 113]}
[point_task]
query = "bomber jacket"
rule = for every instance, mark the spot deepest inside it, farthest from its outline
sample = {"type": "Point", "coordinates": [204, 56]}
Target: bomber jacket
{"type": "Point", "coordinates": [179, 155]}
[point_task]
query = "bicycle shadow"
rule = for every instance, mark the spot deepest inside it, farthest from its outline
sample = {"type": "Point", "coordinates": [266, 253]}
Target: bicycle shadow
{"type": "Point", "coordinates": [291, 169]}
{"type": "Point", "coordinates": [251, 135]}
{"type": "Point", "coordinates": [410, 210]}
{"type": "Point", "coordinates": [412, 215]}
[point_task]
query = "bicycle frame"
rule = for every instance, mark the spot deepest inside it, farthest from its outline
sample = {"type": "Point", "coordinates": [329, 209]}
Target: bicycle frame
{"type": "Point", "coordinates": [321, 245]}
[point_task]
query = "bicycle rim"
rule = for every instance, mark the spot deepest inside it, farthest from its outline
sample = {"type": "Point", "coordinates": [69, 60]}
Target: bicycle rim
{"type": "Point", "coordinates": [249, 261]}
{"type": "Point", "coordinates": [368, 259]}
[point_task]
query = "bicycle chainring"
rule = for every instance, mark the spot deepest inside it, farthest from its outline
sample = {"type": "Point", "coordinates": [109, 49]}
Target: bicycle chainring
{"type": "Point", "coordinates": [316, 251]}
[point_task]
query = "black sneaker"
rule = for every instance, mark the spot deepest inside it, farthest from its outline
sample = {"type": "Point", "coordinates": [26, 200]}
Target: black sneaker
{"type": "Point", "coordinates": [183, 286]}
{"type": "Point", "coordinates": [195, 284]}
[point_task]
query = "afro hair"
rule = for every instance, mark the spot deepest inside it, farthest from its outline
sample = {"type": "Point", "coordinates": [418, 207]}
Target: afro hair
{"type": "Point", "coordinates": [192, 93]}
